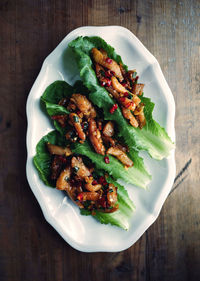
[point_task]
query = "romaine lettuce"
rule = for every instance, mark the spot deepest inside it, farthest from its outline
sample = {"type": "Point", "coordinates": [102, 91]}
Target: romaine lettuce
{"type": "Point", "coordinates": [137, 174]}
{"type": "Point", "coordinates": [42, 161]}
{"type": "Point", "coordinates": [152, 137]}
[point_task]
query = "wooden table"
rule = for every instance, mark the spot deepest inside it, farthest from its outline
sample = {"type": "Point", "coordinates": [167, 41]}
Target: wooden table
{"type": "Point", "coordinates": [30, 249]}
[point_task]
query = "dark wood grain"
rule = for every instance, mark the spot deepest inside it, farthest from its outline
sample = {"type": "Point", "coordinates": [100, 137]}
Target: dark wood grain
{"type": "Point", "coordinates": [30, 249]}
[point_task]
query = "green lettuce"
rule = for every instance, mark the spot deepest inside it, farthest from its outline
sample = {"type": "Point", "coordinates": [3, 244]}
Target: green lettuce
{"type": "Point", "coordinates": [42, 161]}
{"type": "Point", "coordinates": [152, 137]}
{"type": "Point", "coordinates": [137, 174]}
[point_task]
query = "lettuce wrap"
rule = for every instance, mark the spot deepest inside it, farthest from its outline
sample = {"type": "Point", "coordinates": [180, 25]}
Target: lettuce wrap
{"type": "Point", "coordinates": [42, 161]}
{"type": "Point", "coordinates": [136, 175]}
{"type": "Point", "coordinates": [152, 137]}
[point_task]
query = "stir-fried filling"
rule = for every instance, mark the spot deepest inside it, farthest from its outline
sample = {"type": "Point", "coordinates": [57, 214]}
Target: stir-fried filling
{"type": "Point", "coordinates": [122, 85]}
{"type": "Point", "coordinates": [83, 123]}
{"type": "Point", "coordinates": [90, 192]}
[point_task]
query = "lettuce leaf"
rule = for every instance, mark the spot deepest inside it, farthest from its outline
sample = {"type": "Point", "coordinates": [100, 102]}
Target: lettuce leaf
{"type": "Point", "coordinates": [152, 138]}
{"type": "Point", "coordinates": [42, 161]}
{"type": "Point", "coordinates": [137, 174]}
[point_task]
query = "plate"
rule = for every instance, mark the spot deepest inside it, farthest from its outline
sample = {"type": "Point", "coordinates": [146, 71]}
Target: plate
{"type": "Point", "coordinates": [82, 232]}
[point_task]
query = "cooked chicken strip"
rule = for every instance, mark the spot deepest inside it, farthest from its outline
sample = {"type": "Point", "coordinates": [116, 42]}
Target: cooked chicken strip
{"type": "Point", "coordinates": [81, 170]}
{"type": "Point", "coordinates": [91, 196]}
{"type": "Point", "coordinates": [58, 150]}
{"type": "Point", "coordinates": [126, 102]}
{"type": "Point", "coordinates": [95, 137]}
{"type": "Point", "coordinates": [138, 89]}
{"type": "Point", "coordinates": [84, 105]}
{"type": "Point", "coordinates": [117, 86]}
{"type": "Point", "coordinates": [108, 129]}
{"type": "Point", "coordinates": [101, 59]}
{"type": "Point", "coordinates": [75, 120]}
{"type": "Point", "coordinates": [112, 195]}
{"type": "Point", "coordinates": [121, 155]}
{"type": "Point", "coordinates": [128, 115]}
{"type": "Point", "coordinates": [62, 182]}
{"type": "Point", "coordinates": [109, 141]}
{"type": "Point", "coordinates": [91, 187]}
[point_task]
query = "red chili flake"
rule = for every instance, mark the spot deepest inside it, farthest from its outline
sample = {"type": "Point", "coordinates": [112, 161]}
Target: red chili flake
{"type": "Point", "coordinates": [104, 183]}
{"type": "Point", "coordinates": [108, 83]}
{"type": "Point", "coordinates": [122, 99]}
{"type": "Point", "coordinates": [106, 159]}
{"type": "Point", "coordinates": [58, 117]}
{"type": "Point", "coordinates": [108, 60]}
{"type": "Point", "coordinates": [113, 108]}
{"type": "Point", "coordinates": [102, 201]}
{"type": "Point", "coordinates": [78, 112]}
{"type": "Point", "coordinates": [101, 180]}
{"type": "Point", "coordinates": [123, 84]}
{"type": "Point", "coordinates": [128, 104]}
{"type": "Point", "coordinates": [80, 197]}
{"type": "Point", "coordinates": [103, 83]}
{"type": "Point", "coordinates": [108, 74]}
{"type": "Point", "coordinates": [126, 94]}
{"type": "Point", "coordinates": [94, 182]}
{"type": "Point", "coordinates": [61, 119]}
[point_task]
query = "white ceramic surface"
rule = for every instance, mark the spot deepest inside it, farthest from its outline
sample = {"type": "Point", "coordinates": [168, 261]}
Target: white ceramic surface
{"type": "Point", "coordinates": [82, 232]}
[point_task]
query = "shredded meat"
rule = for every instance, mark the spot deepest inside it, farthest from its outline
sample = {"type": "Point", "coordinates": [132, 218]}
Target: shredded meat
{"type": "Point", "coordinates": [62, 182]}
{"type": "Point", "coordinates": [123, 71]}
{"type": "Point", "coordinates": [139, 112]}
{"type": "Point", "coordinates": [121, 155]}
{"type": "Point", "coordinates": [76, 122]}
{"type": "Point", "coordinates": [141, 119]}
{"type": "Point", "coordinates": [91, 196]}
{"type": "Point", "coordinates": [102, 59]}
{"type": "Point", "coordinates": [138, 89]}
{"type": "Point", "coordinates": [55, 149]}
{"type": "Point", "coordinates": [90, 186]}
{"type": "Point", "coordinates": [108, 129]}
{"type": "Point", "coordinates": [57, 166]}
{"type": "Point", "coordinates": [84, 105]}
{"type": "Point", "coordinates": [113, 92]}
{"type": "Point", "coordinates": [128, 115]}
{"type": "Point", "coordinates": [109, 141]}
{"type": "Point", "coordinates": [65, 183]}
{"type": "Point", "coordinates": [99, 72]}
{"type": "Point", "coordinates": [136, 100]}
{"type": "Point", "coordinates": [124, 101]}
{"type": "Point", "coordinates": [112, 195]}
{"type": "Point", "coordinates": [81, 170]}
{"type": "Point", "coordinates": [117, 86]}
{"type": "Point", "coordinates": [95, 137]}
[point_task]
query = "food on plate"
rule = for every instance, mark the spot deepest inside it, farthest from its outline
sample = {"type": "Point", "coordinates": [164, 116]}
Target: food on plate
{"type": "Point", "coordinates": [101, 125]}
{"type": "Point", "coordinates": [117, 91]}
{"type": "Point", "coordinates": [90, 135]}
{"type": "Point", "coordinates": [124, 90]}
{"type": "Point", "coordinates": [93, 191]}
{"type": "Point", "coordinates": [83, 124]}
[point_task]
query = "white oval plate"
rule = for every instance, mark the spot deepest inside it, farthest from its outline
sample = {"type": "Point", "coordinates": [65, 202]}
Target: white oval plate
{"type": "Point", "coordinates": [82, 232]}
